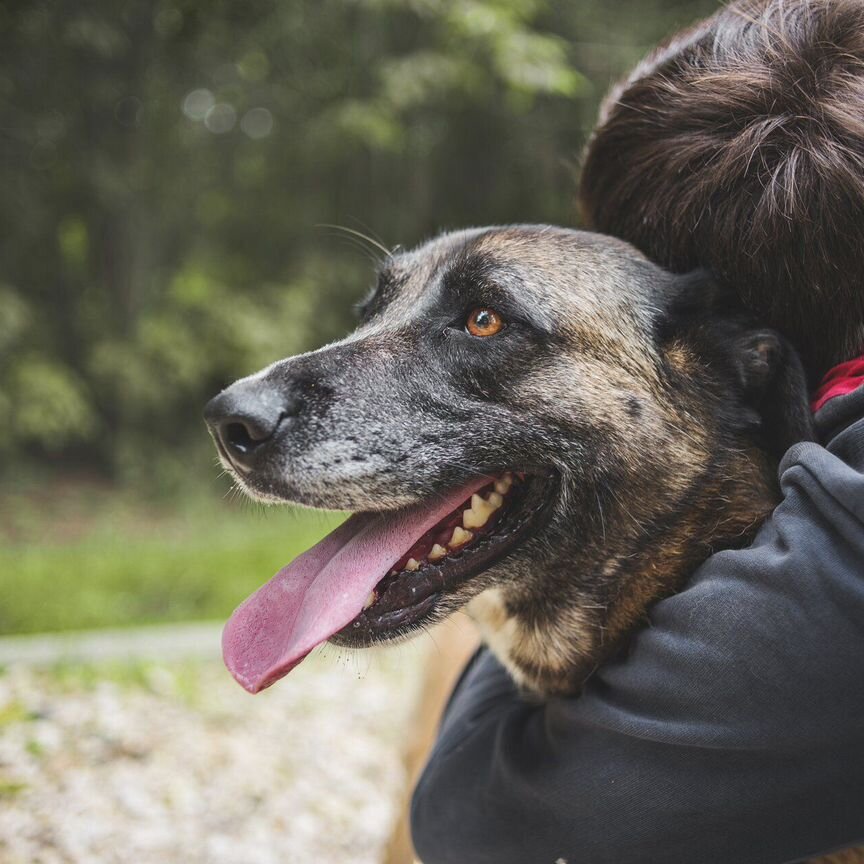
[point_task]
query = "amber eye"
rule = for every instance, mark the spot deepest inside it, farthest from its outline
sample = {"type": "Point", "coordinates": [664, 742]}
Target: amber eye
{"type": "Point", "coordinates": [484, 322]}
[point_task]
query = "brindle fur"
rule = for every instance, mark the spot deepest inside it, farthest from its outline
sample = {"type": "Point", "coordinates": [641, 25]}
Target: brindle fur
{"type": "Point", "coordinates": [640, 390]}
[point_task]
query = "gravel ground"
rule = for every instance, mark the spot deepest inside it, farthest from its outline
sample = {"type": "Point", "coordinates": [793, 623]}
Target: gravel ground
{"type": "Point", "coordinates": [172, 762]}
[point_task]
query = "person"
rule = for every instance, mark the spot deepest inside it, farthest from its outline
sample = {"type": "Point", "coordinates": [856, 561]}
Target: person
{"type": "Point", "coordinates": [732, 729]}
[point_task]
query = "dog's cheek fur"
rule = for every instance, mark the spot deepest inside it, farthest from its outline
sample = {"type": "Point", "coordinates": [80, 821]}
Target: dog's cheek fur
{"type": "Point", "coordinates": [623, 534]}
{"type": "Point", "coordinates": [543, 615]}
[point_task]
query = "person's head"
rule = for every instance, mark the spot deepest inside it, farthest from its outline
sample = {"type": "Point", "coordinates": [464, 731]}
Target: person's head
{"type": "Point", "coordinates": [739, 146]}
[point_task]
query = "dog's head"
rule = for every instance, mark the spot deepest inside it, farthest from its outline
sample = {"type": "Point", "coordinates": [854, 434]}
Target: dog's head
{"type": "Point", "coordinates": [529, 414]}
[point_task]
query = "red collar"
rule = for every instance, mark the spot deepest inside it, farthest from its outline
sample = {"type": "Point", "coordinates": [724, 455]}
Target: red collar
{"type": "Point", "coordinates": [842, 379]}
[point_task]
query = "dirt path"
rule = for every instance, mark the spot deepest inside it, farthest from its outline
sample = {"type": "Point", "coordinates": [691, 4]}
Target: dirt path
{"type": "Point", "coordinates": [163, 761]}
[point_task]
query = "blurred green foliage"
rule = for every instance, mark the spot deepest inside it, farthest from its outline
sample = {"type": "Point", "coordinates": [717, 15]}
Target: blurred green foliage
{"type": "Point", "coordinates": [77, 555]}
{"type": "Point", "coordinates": [164, 165]}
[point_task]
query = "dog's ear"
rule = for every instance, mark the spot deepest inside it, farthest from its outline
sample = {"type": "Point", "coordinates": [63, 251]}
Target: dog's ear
{"type": "Point", "coordinates": [770, 374]}
{"type": "Point", "coordinates": [775, 386]}
{"type": "Point", "coordinates": [681, 299]}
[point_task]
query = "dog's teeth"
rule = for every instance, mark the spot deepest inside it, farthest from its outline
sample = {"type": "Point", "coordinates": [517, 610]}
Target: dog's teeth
{"type": "Point", "coordinates": [437, 553]}
{"type": "Point", "coordinates": [502, 486]}
{"type": "Point", "coordinates": [479, 513]}
{"type": "Point", "coordinates": [495, 499]}
{"type": "Point", "coordinates": [412, 565]}
{"type": "Point", "coordinates": [370, 600]}
{"type": "Point", "coordinates": [460, 537]}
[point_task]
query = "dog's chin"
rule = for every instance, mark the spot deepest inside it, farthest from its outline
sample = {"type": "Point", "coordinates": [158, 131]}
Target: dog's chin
{"type": "Point", "coordinates": [445, 568]}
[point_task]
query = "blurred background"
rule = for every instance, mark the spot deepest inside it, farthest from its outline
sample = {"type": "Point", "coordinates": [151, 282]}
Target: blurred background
{"type": "Point", "coordinates": [171, 176]}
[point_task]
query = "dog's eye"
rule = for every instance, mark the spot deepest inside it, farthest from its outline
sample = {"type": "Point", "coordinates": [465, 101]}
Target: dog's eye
{"type": "Point", "coordinates": [484, 322]}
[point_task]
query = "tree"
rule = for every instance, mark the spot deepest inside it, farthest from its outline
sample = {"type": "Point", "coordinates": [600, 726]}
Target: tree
{"type": "Point", "coordinates": [164, 167]}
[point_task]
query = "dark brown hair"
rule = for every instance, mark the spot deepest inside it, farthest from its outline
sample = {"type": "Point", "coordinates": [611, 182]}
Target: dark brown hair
{"type": "Point", "coordinates": [739, 146]}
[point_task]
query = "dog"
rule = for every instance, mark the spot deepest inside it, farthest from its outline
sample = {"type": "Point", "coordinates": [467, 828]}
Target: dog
{"type": "Point", "coordinates": [534, 423]}
{"type": "Point", "coordinates": [632, 417]}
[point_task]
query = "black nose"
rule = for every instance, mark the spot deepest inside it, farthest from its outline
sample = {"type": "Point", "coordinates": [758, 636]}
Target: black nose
{"type": "Point", "coordinates": [244, 419]}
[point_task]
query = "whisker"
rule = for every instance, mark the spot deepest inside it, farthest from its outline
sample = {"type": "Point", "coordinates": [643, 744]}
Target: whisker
{"type": "Point", "coordinates": [371, 234]}
{"type": "Point", "coordinates": [361, 247]}
{"type": "Point", "coordinates": [370, 240]}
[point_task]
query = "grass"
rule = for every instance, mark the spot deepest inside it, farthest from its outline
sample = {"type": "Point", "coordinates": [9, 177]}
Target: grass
{"type": "Point", "coordinates": [84, 556]}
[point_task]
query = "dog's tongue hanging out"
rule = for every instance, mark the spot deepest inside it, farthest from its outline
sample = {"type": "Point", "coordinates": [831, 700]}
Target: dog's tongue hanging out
{"type": "Point", "coordinates": [324, 589]}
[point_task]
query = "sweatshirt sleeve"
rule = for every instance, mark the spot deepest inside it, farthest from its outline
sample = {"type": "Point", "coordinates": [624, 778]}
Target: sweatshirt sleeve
{"type": "Point", "coordinates": [731, 732]}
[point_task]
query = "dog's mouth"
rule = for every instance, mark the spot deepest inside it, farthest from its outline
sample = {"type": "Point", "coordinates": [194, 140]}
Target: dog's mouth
{"type": "Point", "coordinates": [381, 574]}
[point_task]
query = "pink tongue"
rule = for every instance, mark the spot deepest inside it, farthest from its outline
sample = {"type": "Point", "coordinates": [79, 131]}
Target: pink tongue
{"type": "Point", "coordinates": [324, 589]}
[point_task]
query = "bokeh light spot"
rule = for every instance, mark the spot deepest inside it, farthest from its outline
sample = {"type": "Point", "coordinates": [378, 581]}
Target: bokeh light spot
{"type": "Point", "coordinates": [257, 123]}
{"type": "Point", "coordinates": [254, 66]}
{"type": "Point", "coordinates": [198, 103]}
{"type": "Point", "coordinates": [221, 118]}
